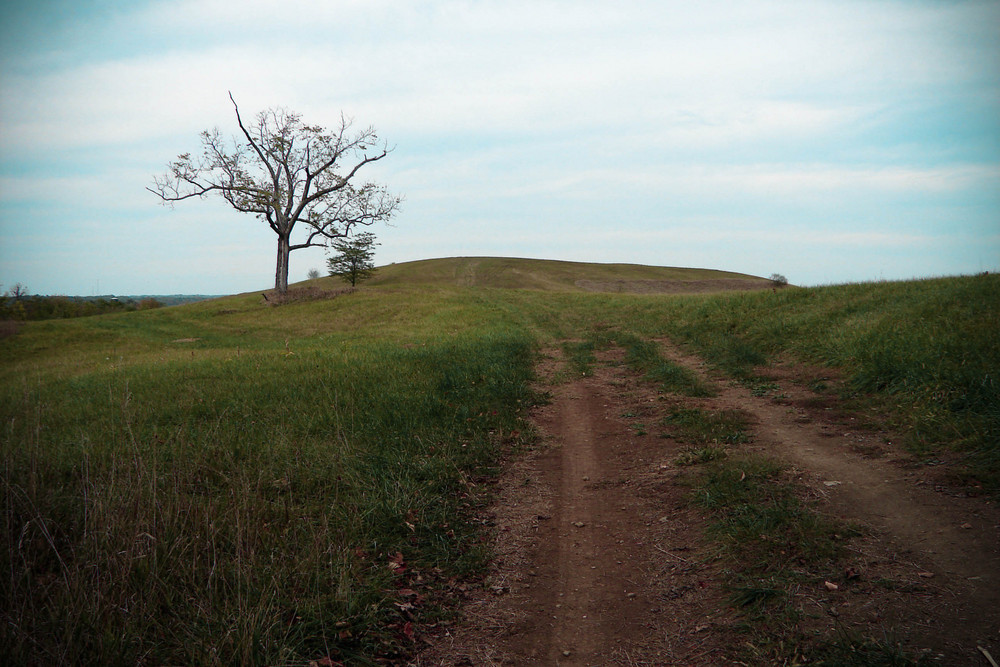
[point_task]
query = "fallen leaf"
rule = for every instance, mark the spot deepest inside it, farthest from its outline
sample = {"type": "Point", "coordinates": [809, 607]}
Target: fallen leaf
{"type": "Point", "coordinates": [925, 575]}
{"type": "Point", "coordinates": [830, 586]}
{"type": "Point", "coordinates": [396, 563]}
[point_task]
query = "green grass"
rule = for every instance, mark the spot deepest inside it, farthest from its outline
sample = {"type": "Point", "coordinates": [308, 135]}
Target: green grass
{"type": "Point", "coordinates": [702, 427]}
{"type": "Point", "coordinates": [259, 507]}
{"type": "Point", "coordinates": [536, 274]}
{"type": "Point", "coordinates": [929, 350]}
{"type": "Point", "coordinates": [774, 544]}
{"type": "Point", "coordinates": [580, 357]}
{"type": "Point", "coordinates": [641, 355]}
{"type": "Point", "coordinates": [229, 481]}
{"type": "Point", "coordinates": [923, 354]}
{"type": "Point", "coordinates": [644, 356]}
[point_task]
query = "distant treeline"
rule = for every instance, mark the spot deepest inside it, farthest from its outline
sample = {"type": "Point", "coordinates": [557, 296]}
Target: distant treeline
{"type": "Point", "coordinates": [60, 307]}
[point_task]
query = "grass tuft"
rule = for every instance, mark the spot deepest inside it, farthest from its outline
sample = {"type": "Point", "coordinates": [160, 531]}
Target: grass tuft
{"type": "Point", "coordinates": [644, 356]}
{"type": "Point", "coordinates": [703, 427]}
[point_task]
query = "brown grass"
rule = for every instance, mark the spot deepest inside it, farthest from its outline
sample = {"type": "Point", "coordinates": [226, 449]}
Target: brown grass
{"type": "Point", "coordinates": [9, 328]}
{"type": "Point", "coordinates": [302, 294]}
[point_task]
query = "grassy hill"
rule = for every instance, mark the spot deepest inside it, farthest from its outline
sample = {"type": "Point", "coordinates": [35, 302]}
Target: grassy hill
{"type": "Point", "coordinates": [551, 275]}
{"type": "Point", "coordinates": [239, 481]}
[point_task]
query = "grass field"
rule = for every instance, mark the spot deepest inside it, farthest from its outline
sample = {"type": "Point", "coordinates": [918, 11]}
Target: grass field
{"type": "Point", "coordinates": [230, 481]}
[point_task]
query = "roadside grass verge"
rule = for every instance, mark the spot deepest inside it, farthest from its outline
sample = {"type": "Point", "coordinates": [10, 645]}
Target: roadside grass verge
{"type": "Point", "coordinates": [925, 353]}
{"type": "Point", "coordinates": [275, 506]}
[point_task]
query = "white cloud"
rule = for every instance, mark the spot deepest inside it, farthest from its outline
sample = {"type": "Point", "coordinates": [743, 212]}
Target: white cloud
{"type": "Point", "coordinates": [638, 111]}
{"type": "Point", "coordinates": [457, 66]}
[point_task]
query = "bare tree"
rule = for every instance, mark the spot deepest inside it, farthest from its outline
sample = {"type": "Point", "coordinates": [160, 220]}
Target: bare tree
{"type": "Point", "coordinates": [287, 172]}
{"type": "Point", "coordinates": [18, 291]}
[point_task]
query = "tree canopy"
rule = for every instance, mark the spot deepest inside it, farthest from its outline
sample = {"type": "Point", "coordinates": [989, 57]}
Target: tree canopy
{"type": "Point", "coordinates": [353, 261]}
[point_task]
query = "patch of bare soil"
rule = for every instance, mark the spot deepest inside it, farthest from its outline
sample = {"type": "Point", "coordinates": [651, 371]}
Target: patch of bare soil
{"type": "Point", "coordinates": [673, 286]}
{"type": "Point", "coordinates": [297, 294]}
{"type": "Point", "coordinates": [602, 561]}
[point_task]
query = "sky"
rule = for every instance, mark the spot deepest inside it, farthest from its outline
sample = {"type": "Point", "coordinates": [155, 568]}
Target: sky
{"type": "Point", "coordinates": [829, 141]}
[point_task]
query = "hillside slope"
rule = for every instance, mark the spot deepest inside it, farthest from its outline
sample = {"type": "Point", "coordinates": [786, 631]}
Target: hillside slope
{"type": "Point", "coordinates": [554, 275]}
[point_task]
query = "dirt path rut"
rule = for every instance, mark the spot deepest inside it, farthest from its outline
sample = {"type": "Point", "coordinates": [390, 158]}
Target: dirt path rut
{"type": "Point", "coordinates": [602, 561]}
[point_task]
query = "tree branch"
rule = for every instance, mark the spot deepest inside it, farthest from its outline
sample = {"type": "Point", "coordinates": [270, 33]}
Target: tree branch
{"type": "Point", "coordinates": [285, 172]}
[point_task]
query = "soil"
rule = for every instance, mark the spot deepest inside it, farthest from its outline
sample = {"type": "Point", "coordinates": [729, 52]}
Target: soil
{"type": "Point", "coordinates": [602, 559]}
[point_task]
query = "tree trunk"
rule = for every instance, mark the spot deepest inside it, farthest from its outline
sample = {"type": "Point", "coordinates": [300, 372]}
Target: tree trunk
{"type": "Point", "coordinates": [281, 272]}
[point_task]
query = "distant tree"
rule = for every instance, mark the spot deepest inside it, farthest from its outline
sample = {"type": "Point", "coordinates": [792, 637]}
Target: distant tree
{"type": "Point", "coordinates": [18, 291]}
{"type": "Point", "coordinates": [353, 261]}
{"type": "Point", "coordinates": [313, 274]}
{"type": "Point", "coordinates": [778, 280]}
{"type": "Point", "coordinates": [287, 172]}
{"type": "Point", "coordinates": [16, 309]}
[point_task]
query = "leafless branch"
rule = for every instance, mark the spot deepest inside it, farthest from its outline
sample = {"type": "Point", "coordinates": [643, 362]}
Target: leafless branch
{"type": "Point", "coordinates": [286, 173]}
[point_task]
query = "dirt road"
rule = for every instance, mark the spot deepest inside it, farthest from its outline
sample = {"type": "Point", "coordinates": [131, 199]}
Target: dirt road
{"type": "Point", "coordinates": [603, 561]}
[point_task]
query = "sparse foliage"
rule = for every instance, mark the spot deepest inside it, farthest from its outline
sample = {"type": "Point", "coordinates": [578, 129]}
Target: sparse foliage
{"type": "Point", "coordinates": [353, 261]}
{"type": "Point", "coordinates": [313, 274]}
{"type": "Point", "coordinates": [286, 172]}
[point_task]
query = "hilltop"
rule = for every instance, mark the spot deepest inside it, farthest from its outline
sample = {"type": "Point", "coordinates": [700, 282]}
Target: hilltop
{"type": "Point", "coordinates": [563, 276]}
